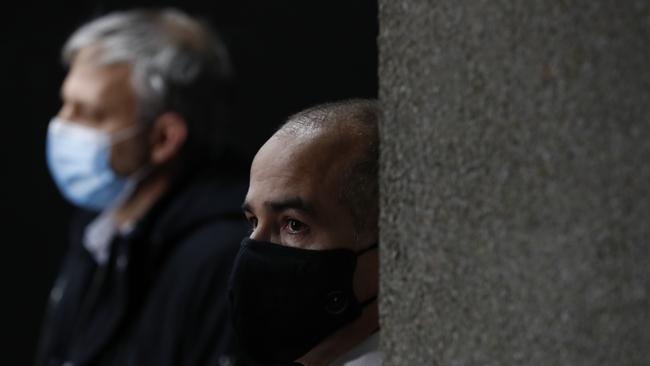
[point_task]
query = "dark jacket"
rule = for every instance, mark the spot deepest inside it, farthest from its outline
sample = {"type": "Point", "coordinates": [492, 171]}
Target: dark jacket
{"type": "Point", "coordinates": [162, 297]}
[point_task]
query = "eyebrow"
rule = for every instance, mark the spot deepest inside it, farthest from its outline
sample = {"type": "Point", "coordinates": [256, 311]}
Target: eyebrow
{"type": "Point", "coordinates": [295, 203]}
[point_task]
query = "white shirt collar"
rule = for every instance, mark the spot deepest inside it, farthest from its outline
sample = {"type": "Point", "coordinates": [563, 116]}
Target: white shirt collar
{"type": "Point", "coordinates": [367, 353]}
{"type": "Point", "coordinates": [100, 233]}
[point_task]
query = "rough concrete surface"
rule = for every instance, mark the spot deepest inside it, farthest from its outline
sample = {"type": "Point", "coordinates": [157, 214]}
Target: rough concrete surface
{"type": "Point", "coordinates": [515, 182]}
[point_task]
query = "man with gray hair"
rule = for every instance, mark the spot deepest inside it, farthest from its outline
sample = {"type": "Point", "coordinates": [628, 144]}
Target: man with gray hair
{"type": "Point", "coordinates": [141, 146]}
{"type": "Point", "coordinates": [304, 285]}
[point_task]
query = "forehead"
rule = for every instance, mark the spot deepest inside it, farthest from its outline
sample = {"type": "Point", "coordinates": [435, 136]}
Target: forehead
{"type": "Point", "coordinates": [89, 81]}
{"type": "Point", "coordinates": [309, 167]}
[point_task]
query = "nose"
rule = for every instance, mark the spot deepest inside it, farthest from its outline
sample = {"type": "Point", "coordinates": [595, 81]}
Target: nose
{"type": "Point", "coordinates": [264, 232]}
{"type": "Point", "coordinates": [258, 233]}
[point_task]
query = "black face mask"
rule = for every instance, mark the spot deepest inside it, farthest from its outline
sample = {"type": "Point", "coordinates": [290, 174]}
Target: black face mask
{"type": "Point", "coordinates": [286, 300]}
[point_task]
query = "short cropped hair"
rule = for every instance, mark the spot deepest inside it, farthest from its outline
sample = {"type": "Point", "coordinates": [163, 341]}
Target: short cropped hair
{"type": "Point", "coordinates": [359, 185]}
{"type": "Point", "coordinates": [178, 64]}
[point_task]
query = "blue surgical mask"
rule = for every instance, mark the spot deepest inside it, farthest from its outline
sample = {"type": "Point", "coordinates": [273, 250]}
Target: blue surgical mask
{"type": "Point", "coordinates": [79, 160]}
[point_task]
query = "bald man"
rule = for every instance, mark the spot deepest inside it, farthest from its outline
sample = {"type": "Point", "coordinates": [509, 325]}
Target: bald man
{"type": "Point", "coordinates": [304, 286]}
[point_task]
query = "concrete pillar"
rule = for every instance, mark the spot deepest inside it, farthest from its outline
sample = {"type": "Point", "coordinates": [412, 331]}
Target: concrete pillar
{"type": "Point", "coordinates": [515, 182]}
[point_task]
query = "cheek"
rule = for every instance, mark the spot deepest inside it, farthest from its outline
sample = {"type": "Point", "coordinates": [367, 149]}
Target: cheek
{"type": "Point", "coordinates": [343, 236]}
{"type": "Point", "coordinates": [128, 156]}
{"type": "Point", "coordinates": [331, 236]}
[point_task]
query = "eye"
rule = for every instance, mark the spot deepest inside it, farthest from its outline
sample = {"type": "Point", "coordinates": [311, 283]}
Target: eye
{"type": "Point", "coordinates": [295, 227]}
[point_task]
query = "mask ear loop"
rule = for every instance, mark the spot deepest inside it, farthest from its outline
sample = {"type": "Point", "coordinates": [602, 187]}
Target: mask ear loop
{"type": "Point", "coordinates": [360, 253]}
{"type": "Point", "coordinates": [367, 303]}
{"type": "Point", "coordinates": [371, 247]}
{"type": "Point", "coordinates": [126, 133]}
{"type": "Point", "coordinates": [136, 177]}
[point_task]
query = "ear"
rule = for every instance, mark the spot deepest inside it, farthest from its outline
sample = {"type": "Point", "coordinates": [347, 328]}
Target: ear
{"type": "Point", "coordinates": [168, 135]}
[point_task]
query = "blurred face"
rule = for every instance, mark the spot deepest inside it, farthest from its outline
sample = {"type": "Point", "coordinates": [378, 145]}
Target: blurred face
{"type": "Point", "coordinates": [101, 97]}
{"type": "Point", "coordinates": [293, 197]}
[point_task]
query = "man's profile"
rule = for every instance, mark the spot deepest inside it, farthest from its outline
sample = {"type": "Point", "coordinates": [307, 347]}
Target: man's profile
{"type": "Point", "coordinates": [140, 146]}
{"type": "Point", "coordinates": [304, 285]}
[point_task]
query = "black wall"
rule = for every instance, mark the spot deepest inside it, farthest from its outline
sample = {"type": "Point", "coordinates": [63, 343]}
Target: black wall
{"type": "Point", "coordinates": [288, 54]}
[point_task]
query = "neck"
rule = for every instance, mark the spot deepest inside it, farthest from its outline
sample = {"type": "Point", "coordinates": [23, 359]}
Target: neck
{"type": "Point", "coordinates": [344, 340]}
{"type": "Point", "coordinates": [145, 196]}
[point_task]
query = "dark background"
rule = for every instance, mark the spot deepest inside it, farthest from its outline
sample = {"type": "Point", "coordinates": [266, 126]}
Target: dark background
{"type": "Point", "coordinates": [288, 55]}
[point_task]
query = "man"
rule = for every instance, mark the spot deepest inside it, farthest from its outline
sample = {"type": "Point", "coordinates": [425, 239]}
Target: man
{"type": "Point", "coordinates": [140, 146]}
{"type": "Point", "coordinates": [304, 286]}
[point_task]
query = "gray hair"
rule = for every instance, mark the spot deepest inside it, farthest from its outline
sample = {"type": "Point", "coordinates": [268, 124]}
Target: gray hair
{"type": "Point", "coordinates": [177, 63]}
